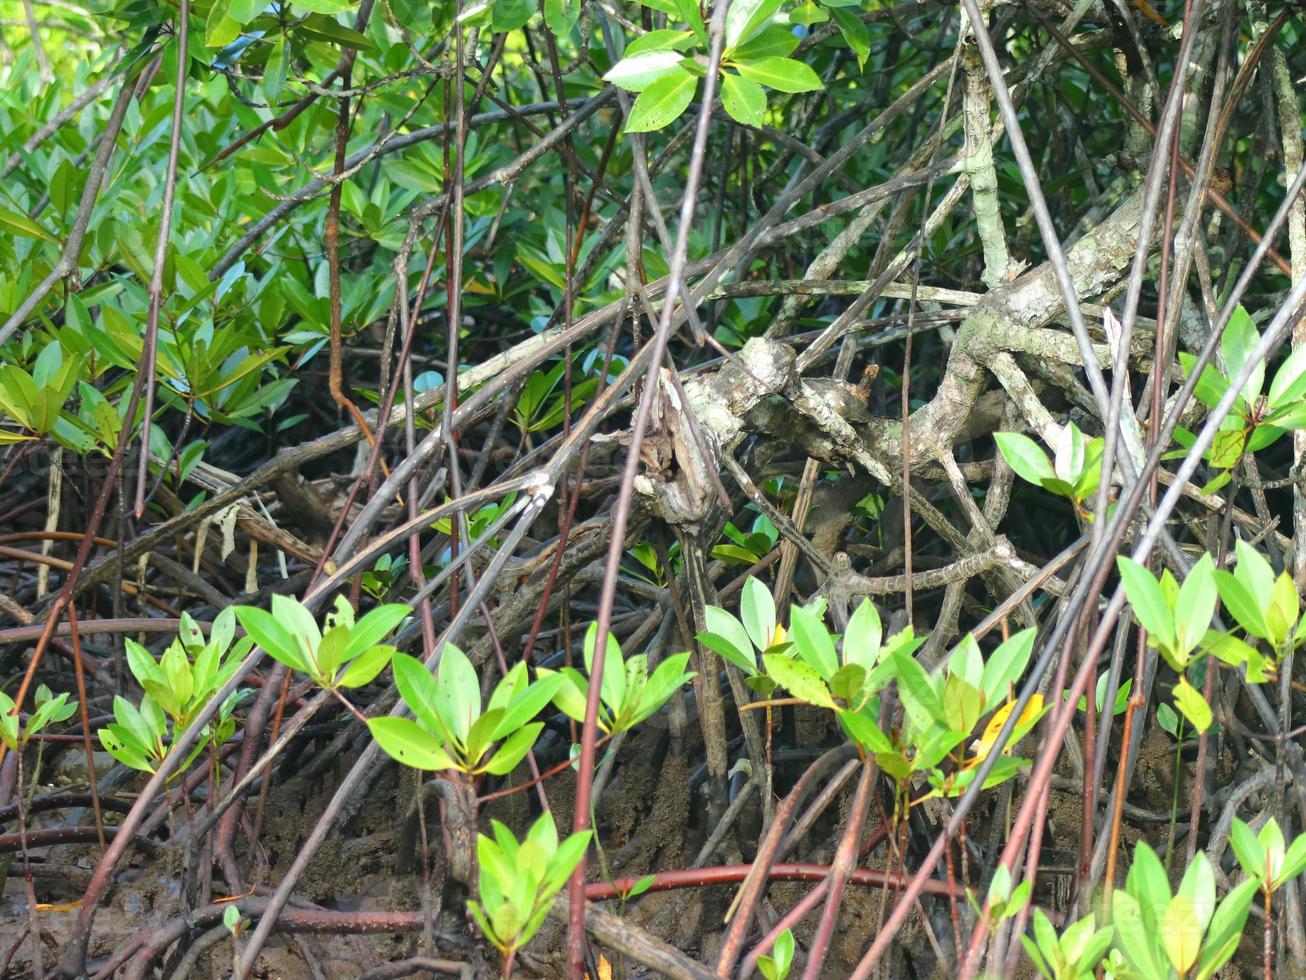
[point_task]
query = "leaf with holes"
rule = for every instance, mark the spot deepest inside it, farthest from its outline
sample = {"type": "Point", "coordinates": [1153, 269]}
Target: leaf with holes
{"type": "Point", "coordinates": [744, 99]}
{"type": "Point", "coordinates": [798, 679]}
{"type": "Point", "coordinates": [404, 741]}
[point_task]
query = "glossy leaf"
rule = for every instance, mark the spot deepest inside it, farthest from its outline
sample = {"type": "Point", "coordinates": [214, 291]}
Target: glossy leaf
{"type": "Point", "coordinates": [744, 99]}
{"type": "Point", "coordinates": [781, 74]}
{"type": "Point", "coordinates": [662, 101]}
{"type": "Point", "coordinates": [405, 742]}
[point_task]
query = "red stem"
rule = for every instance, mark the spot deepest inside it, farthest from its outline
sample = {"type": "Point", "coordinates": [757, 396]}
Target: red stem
{"type": "Point", "coordinates": [731, 873]}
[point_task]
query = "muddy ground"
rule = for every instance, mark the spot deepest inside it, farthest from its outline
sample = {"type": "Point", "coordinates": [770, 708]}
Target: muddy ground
{"type": "Point", "coordinates": [652, 817]}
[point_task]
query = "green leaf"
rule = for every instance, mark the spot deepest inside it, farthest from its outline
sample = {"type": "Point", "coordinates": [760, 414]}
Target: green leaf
{"type": "Point", "coordinates": [563, 863]}
{"type": "Point", "coordinates": [813, 642]}
{"type": "Point", "coordinates": [1290, 417]}
{"type": "Point", "coordinates": [509, 15]}
{"type": "Point", "coordinates": [1271, 840]}
{"type": "Point", "coordinates": [662, 101]}
{"type": "Point", "coordinates": [919, 698]}
{"type": "Point", "coordinates": [1234, 652]}
{"type": "Point", "coordinates": [1254, 571]}
{"type": "Point", "coordinates": [637, 72]}
{"type": "Point", "coordinates": [728, 651]}
{"type": "Point", "coordinates": [1094, 948]}
{"type": "Point", "coordinates": [420, 692]}
{"type": "Point", "coordinates": [275, 71]}
{"type": "Point", "coordinates": [1282, 610]}
{"type": "Point", "coordinates": [855, 34]}
{"type": "Point", "coordinates": [132, 726]}
{"type": "Point", "coordinates": [1192, 705]}
{"type": "Point", "coordinates": [962, 704]}
{"type": "Point", "coordinates": [808, 14]}
{"type": "Point", "coordinates": [932, 749]}
{"type": "Point", "coordinates": [364, 668]}
{"type": "Point", "coordinates": [1035, 956]}
{"type": "Point", "coordinates": [330, 7]}
{"type": "Point", "coordinates": [689, 12]}
{"type": "Point", "coordinates": [23, 226]}
{"type": "Point", "coordinates": [404, 741]}
{"type": "Point", "coordinates": [863, 636]}
{"type": "Point", "coordinates": [746, 18]}
{"type": "Point", "coordinates": [327, 29]}
{"type": "Point", "coordinates": [1024, 456]}
{"type": "Point", "coordinates": [1242, 604]}
{"type": "Point", "coordinates": [220, 30]}
{"type": "Point", "coordinates": [141, 664]}
{"type": "Point", "coordinates": [1294, 860]}
{"type": "Point", "coordinates": [1196, 604]}
{"type": "Point", "coordinates": [864, 732]}
{"type": "Point", "coordinates": [1199, 886]}
{"type": "Point", "coordinates": [1167, 719]}
{"type": "Point", "coordinates": [1072, 941]}
{"type": "Point", "coordinates": [967, 663]}
{"type": "Point", "coordinates": [527, 704]}
{"type": "Point", "coordinates": [1137, 940]}
{"type": "Point", "coordinates": [1240, 336]}
{"type": "Point", "coordinates": [1289, 382]}
{"type": "Point", "coordinates": [665, 6]}
{"type": "Point", "coordinates": [570, 697]}
{"type": "Point", "coordinates": [727, 637]}
{"type": "Point", "coordinates": [1147, 880]}
{"type": "Point", "coordinates": [1211, 385]}
{"type": "Point", "coordinates": [1225, 930]}
{"type": "Point", "coordinates": [330, 652]}
{"type": "Point", "coordinates": [798, 679]}
{"type": "Point", "coordinates": [661, 40]}
{"type": "Point", "coordinates": [300, 625]}
{"type": "Point", "coordinates": [1069, 459]}
{"type": "Point", "coordinates": [243, 11]}
{"type": "Point", "coordinates": [269, 634]}
{"type": "Point", "coordinates": [1147, 601]}
{"type": "Point", "coordinates": [668, 678]}
{"type": "Point", "coordinates": [847, 684]}
{"type": "Point", "coordinates": [613, 691]}
{"type": "Point", "coordinates": [560, 16]}
{"type": "Point", "coordinates": [374, 627]}
{"type": "Point", "coordinates": [477, 912]}
{"type": "Point", "coordinates": [757, 611]}
{"type": "Point", "coordinates": [782, 953]}
{"type": "Point", "coordinates": [1000, 885]}
{"type": "Point", "coordinates": [744, 99]}
{"type": "Point", "coordinates": [774, 41]}
{"type": "Point", "coordinates": [458, 692]}
{"type": "Point", "coordinates": [513, 750]}
{"type": "Point", "coordinates": [781, 74]}
{"type": "Point", "coordinates": [123, 749]}
{"type": "Point", "coordinates": [1227, 448]}
{"type": "Point", "coordinates": [1005, 665]}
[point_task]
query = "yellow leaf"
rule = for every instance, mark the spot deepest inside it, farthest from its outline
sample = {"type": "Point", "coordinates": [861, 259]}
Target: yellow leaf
{"type": "Point", "coordinates": [779, 637]}
{"type": "Point", "coordinates": [605, 968]}
{"type": "Point", "coordinates": [984, 744]}
{"type": "Point", "coordinates": [1181, 933]}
